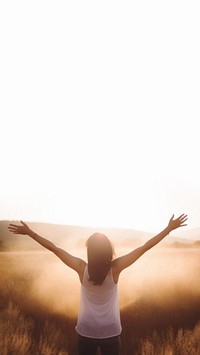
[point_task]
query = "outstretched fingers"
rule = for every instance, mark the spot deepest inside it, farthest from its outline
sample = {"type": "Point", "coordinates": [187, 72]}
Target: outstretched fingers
{"type": "Point", "coordinates": [24, 224]}
{"type": "Point", "coordinates": [182, 219]}
{"type": "Point", "coordinates": [22, 228]}
{"type": "Point", "coordinates": [14, 228]}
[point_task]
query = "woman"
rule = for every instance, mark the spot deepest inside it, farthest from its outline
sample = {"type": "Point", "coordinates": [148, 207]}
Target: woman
{"type": "Point", "coordinates": [98, 322]}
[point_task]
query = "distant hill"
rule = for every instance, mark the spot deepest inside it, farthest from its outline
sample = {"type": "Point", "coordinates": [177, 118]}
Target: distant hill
{"type": "Point", "coordinates": [191, 234]}
{"type": "Point", "coordinates": [76, 236]}
{"type": "Point", "coordinates": [65, 235]}
{"type": "Point", "coordinates": [59, 234]}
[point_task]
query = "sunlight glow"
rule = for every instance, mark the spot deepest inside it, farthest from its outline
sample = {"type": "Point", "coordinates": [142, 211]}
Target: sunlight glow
{"type": "Point", "coordinates": [100, 113]}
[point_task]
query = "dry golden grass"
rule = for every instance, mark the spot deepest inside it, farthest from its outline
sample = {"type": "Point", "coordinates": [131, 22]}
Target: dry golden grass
{"type": "Point", "coordinates": [160, 317]}
{"type": "Point", "coordinates": [185, 342]}
{"type": "Point", "coordinates": [18, 337]}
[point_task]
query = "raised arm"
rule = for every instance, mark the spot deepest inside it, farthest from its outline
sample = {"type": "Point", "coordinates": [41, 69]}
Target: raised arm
{"type": "Point", "coordinates": [73, 262]}
{"type": "Point", "coordinates": [126, 260]}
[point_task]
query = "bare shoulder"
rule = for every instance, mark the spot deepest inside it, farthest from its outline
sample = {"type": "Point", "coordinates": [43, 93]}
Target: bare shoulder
{"type": "Point", "coordinates": [73, 262]}
{"type": "Point", "coordinates": [115, 271]}
{"type": "Point", "coordinates": [81, 270]}
{"type": "Point", "coordinates": [124, 261]}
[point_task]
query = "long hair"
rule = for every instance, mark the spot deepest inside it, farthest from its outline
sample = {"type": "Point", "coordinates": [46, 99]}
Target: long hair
{"type": "Point", "coordinates": [100, 253]}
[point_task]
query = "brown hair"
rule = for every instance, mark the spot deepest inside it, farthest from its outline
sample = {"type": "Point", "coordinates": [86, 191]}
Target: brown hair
{"type": "Point", "coordinates": [100, 253]}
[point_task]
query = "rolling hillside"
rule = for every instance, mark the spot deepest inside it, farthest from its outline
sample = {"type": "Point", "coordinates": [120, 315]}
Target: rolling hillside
{"type": "Point", "coordinates": [76, 236]}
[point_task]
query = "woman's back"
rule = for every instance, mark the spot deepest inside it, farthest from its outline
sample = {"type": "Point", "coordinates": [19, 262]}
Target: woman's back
{"type": "Point", "coordinates": [99, 315]}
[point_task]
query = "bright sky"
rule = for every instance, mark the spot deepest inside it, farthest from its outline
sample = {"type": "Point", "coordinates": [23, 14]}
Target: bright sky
{"type": "Point", "coordinates": [100, 112]}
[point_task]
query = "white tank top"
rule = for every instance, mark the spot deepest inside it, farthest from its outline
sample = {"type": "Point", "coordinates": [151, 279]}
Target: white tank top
{"type": "Point", "coordinates": [99, 315]}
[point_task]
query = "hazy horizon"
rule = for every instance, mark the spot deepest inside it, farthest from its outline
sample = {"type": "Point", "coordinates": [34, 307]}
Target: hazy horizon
{"type": "Point", "coordinates": [159, 274]}
{"type": "Point", "coordinates": [76, 236]}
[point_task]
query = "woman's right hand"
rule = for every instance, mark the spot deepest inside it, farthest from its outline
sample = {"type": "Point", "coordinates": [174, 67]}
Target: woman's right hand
{"type": "Point", "coordinates": [178, 222]}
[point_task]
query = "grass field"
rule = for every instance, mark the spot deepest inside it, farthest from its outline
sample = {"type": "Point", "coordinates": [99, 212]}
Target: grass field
{"type": "Point", "coordinates": [159, 299]}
